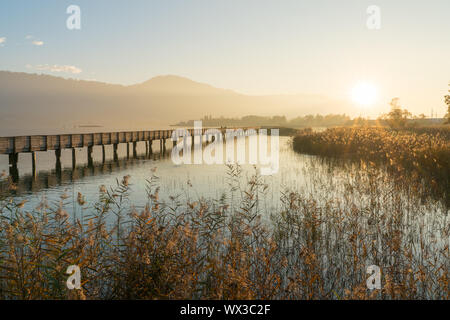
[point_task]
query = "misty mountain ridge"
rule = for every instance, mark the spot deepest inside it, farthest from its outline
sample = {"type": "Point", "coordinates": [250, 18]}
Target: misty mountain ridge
{"type": "Point", "coordinates": [170, 84]}
{"type": "Point", "coordinates": [45, 102]}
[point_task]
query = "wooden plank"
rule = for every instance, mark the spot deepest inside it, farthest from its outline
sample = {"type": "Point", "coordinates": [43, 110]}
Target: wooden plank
{"type": "Point", "coordinates": [18, 144]}
{"type": "Point", "coordinates": [97, 139]}
{"type": "Point", "coordinates": [77, 141]}
{"type": "Point", "coordinates": [114, 137]}
{"type": "Point", "coordinates": [106, 138]}
{"type": "Point", "coordinates": [88, 140]}
{"type": "Point", "coordinates": [38, 143]}
{"type": "Point", "coordinates": [53, 142]}
{"type": "Point", "coordinates": [66, 141]}
{"type": "Point", "coordinates": [5, 145]}
{"type": "Point", "coordinates": [122, 137]}
{"type": "Point", "coordinates": [22, 144]}
{"type": "Point", "coordinates": [128, 136]}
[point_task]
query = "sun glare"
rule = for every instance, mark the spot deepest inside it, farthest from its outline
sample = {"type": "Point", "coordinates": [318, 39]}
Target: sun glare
{"type": "Point", "coordinates": [364, 94]}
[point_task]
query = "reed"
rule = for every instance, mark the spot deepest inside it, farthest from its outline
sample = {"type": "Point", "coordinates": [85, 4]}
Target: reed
{"type": "Point", "coordinates": [423, 153]}
{"type": "Point", "coordinates": [214, 249]}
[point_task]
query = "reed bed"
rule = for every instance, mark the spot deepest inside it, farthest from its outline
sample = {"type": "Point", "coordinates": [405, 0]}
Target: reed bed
{"type": "Point", "coordinates": [420, 153]}
{"type": "Point", "coordinates": [225, 248]}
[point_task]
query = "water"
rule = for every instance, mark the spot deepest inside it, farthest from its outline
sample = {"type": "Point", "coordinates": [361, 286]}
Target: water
{"type": "Point", "coordinates": [309, 175]}
{"type": "Point", "coordinates": [342, 194]}
{"type": "Point", "coordinates": [205, 180]}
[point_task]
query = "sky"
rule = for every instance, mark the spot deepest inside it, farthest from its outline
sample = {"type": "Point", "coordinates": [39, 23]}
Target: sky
{"type": "Point", "coordinates": [257, 47]}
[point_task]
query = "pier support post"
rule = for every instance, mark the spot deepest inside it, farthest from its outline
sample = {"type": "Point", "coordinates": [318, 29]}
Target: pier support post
{"type": "Point", "coordinates": [128, 150]}
{"type": "Point", "coordinates": [13, 170]}
{"type": "Point", "coordinates": [103, 154]}
{"type": "Point", "coordinates": [33, 164]}
{"type": "Point", "coordinates": [74, 159]}
{"type": "Point", "coordinates": [134, 149]}
{"type": "Point", "coordinates": [13, 159]}
{"type": "Point", "coordinates": [150, 150]}
{"type": "Point", "coordinates": [58, 161]}
{"type": "Point", "coordinates": [116, 157]}
{"type": "Point", "coordinates": [89, 154]}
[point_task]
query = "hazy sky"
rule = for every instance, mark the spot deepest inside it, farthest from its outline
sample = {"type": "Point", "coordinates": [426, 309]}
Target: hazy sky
{"type": "Point", "coordinates": [250, 46]}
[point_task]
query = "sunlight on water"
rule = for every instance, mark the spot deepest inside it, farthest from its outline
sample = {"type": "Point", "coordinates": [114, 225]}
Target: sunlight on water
{"type": "Point", "coordinates": [306, 174]}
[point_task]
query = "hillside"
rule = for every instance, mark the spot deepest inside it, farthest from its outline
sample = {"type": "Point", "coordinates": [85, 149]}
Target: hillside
{"type": "Point", "coordinates": [43, 103]}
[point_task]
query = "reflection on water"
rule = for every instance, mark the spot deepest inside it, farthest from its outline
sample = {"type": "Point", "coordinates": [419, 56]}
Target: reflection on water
{"type": "Point", "coordinates": [350, 214]}
{"type": "Point", "coordinates": [313, 176]}
{"type": "Point", "coordinates": [30, 183]}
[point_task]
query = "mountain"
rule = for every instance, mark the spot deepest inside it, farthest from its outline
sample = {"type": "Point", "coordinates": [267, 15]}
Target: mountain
{"type": "Point", "coordinates": [175, 85]}
{"type": "Point", "coordinates": [33, 103]}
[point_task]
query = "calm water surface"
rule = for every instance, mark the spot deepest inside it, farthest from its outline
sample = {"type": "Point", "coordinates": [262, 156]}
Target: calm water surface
{"type": "Point", "coordinates": [309, 175]}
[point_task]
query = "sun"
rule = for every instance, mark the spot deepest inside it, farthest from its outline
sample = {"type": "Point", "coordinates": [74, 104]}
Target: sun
{"type": "Point", "coordinates": [364, 94]}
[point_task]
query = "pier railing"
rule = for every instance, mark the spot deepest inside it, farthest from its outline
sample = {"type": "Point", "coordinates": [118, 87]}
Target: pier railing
{"type": "Point", "coordinates": [14, 145]}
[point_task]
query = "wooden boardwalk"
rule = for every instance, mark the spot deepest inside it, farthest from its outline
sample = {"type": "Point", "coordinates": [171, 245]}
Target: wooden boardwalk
{"type": "Point", "coordinates": [18, 144]}
{"type": "Point", "coordinates": [12, 146]}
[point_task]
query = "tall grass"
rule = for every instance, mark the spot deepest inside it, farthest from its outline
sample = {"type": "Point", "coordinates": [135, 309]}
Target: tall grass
{"type": "Point", "coordinates": [224, 248]}
{"type": "Point", "coordinates": [420, 153]}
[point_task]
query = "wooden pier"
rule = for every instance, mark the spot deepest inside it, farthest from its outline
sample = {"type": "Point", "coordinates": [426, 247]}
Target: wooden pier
{"type": "Point", "coordinates": [45, 179]}
{"type": "Point", "coordinates": [12, 146]}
